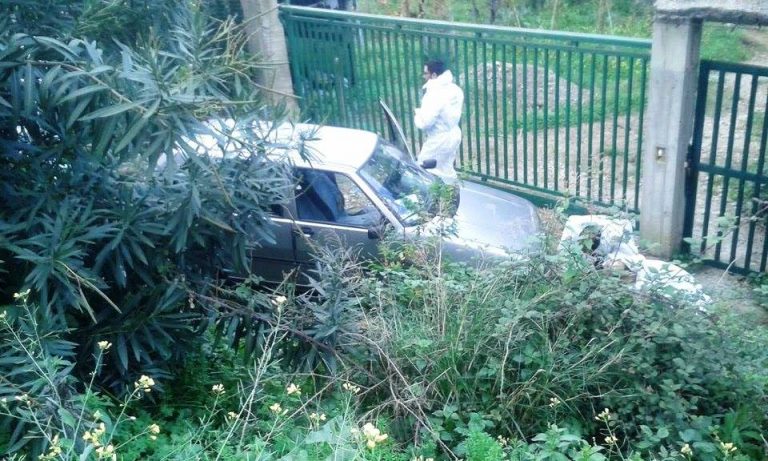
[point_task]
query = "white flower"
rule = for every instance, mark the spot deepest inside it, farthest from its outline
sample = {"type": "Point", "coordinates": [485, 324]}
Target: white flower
{"type": "Point", "coordinates": [275, 408]}
{"type": "Point", "coordinates": [218, 389]}
{"type": "Point", "coordinates": [293, 389]}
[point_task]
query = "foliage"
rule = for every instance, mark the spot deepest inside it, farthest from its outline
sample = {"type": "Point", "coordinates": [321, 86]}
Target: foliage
{"type": "Point", "coordinates": [110, 213]}
{"type": "Point", "coordinates": [510, 349]}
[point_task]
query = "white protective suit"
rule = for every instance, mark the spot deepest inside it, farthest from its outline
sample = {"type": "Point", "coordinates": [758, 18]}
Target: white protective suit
{"type": "Point", "coordinates": [438, 117]}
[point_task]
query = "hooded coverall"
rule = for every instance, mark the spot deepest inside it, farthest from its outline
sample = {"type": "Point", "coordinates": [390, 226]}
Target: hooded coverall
{"type": "Point", "coordinates": [438, 117]}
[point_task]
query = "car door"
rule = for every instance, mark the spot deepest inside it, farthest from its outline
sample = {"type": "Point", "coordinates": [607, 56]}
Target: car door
{"type": "Point", "coordinates": [332, 210]}
{"type": "Point", "coordinates": [274, 261]}
{"type": "Point", "coordinates": [396, 133]}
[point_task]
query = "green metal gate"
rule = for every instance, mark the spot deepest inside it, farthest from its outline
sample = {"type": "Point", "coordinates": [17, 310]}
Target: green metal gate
{"type": "Point", "coordinates": [555, 113]}
{"type": "Point", "coordinates": [727, 188]}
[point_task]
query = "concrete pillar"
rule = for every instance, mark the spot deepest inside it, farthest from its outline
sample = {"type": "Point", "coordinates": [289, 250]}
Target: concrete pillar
{"type": "Point", "coordinates": [266, 39]}
{"type": "Point", "coordinates": [672, 95]}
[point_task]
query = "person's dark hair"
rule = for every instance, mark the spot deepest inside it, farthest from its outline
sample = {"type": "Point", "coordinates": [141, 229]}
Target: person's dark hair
{"type": "Point", "coordinates": [435, 66]}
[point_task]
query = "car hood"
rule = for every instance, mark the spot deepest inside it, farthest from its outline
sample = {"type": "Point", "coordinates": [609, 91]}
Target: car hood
{"type": "Point", "coordinates": [488, 222]}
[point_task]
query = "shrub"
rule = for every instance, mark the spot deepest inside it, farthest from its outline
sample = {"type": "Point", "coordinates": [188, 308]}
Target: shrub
{"type": "Point", "coordinates": [519, 346]}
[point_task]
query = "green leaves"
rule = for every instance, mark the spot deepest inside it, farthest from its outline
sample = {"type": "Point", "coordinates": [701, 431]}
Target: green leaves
{"type": "Point", "coordinates": [112, 246]}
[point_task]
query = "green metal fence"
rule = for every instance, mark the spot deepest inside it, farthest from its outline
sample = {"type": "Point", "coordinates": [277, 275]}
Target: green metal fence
{"type": "Point", "coordinates": [727, 189]}
{"type": "Point", "coordinates": [556, 113]}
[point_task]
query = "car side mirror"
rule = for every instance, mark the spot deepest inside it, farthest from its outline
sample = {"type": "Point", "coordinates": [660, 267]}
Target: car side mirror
{"type": "Point", "coordinates": [429, 164]}
{"type": "Point", "coordinates": [377, 231]}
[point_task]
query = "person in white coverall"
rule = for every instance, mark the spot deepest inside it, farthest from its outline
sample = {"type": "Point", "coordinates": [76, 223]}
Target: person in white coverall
{"type": "Point", "coordinates": [438, 117]}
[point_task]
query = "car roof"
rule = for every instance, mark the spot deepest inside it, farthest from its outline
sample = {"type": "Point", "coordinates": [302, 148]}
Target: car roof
{"type": "Point", "coordinates": [303, 145]}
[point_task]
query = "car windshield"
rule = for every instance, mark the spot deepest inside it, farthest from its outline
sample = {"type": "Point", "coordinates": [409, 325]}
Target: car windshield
{"type": "Point", "coordinates": [402, 185]}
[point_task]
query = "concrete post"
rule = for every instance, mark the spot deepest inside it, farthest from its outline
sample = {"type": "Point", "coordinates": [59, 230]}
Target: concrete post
{"type": "Point", "coordinates": [672, 95]}
{"type": "Point", "coordinates": [266, 39]}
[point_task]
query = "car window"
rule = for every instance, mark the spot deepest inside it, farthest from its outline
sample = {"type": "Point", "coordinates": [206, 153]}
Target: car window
{"type": "Point", "coordinates": [404, 187]}
{"type": "Point", "coordinates": [324, 196]}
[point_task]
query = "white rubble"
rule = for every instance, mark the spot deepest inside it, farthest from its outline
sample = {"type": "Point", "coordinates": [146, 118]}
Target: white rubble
{"type": "Point", "coordinates": [610, 242]}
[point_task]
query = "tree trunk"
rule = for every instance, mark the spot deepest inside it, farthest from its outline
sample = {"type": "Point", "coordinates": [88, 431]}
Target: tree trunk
{"type": "Point", "coordinates": [266, 39]}
{"type": "Point", "coordinates": [475, 11]}
{"type": "Point", "coordinates": [494, 7]}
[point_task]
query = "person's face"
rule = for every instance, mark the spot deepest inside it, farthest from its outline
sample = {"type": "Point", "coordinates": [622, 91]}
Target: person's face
{"type": "Point", "coordinates": [428, 75]}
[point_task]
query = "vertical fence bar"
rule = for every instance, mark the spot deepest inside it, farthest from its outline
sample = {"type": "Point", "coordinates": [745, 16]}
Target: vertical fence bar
{"type": "Point", "coordinates": [627, 129]}
{"type": "Point", "coordinates": [728, 159]}
{"type": "Point", "coordinates": [557, 120]}
{"type": "Point", "coordinates": [409, 50]}
{"type": "Point", "coordinates": [758, 186]}
{"type": "Point", "coordinates": [614, 133]}
{"type": "Point", "coordinates": [692, 178]}
{"type": "Point", "coordinates": [496, 130]}
{"type": "Point", "coordinates": [712, 157]}
{"type": "Point", "coordinates": [504, 105]}
{"type": "Point", "coordinates": [362, 79]}
{"type": "Point", "coordinates": [535, 116]}
{"type": "Point", "coordinates": [525, 114]}
{"type": "Point", "coordinates": [744, 164]}
{"type": "Point", "coordinates": [579, 120]}
{"type": "Point", "coordinates": [569, 79]}
{"type": "Point", "coordinates": [590, 131]}
{"type": "Point", "coordinates": [486, 125]}
{"type": "Point", "coordinates": [462, 84]}
{"type": "Point", "coordinates": [467, 104]}
{"type": "Point", "coordinates": [396, 50]}
{"type": "Point", "coordinates": [373, 93]}
{"type": "Point", "coordinates": [514, 113]}
{"type": "Point", "coordinates": [638, 163]}
{"type": "Point", "coordinates": [545, 111]}
{"type": "Point", "coordinates": [476, 92]}
{"type": "Point", "coordinates": [603, 115]}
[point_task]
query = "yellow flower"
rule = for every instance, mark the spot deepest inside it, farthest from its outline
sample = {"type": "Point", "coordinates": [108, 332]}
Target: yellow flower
{"type": "Point", "coordinates": [604, 415]}
{"type": "Point", "coordinates": [104, 345]}
{"type": "Point", "coordinates": [275, 408]}
{"type": "Point", "coordinates": [611, 440]}
{"type": "Point", "coordinates": [373, 435]}
{"type": "Point", "coordinates": [53, 451]}
{"type": "Point", "coordinates": [349, 387]}
{"type": "Point", "coordinates": [293, 389]}
{"type": "Point", "coordinates": [218, 389]}
{"type": "Point", "coordinates": [317, 418]}
{"type": "Point", "coordinates": [278, 301]}
{"type": "Point", "coordinates": [231, 415]}
{"type": "Point", "coordinates": [727, 447]}
{"type": "Point", "coordinates": [686, 450]}
{"type": "Point", "coordinates": [145, 383]}
{"type": "Point", "coordinates": [154, 429]}
{"type": "Point", "coordinates": [106, 452]}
